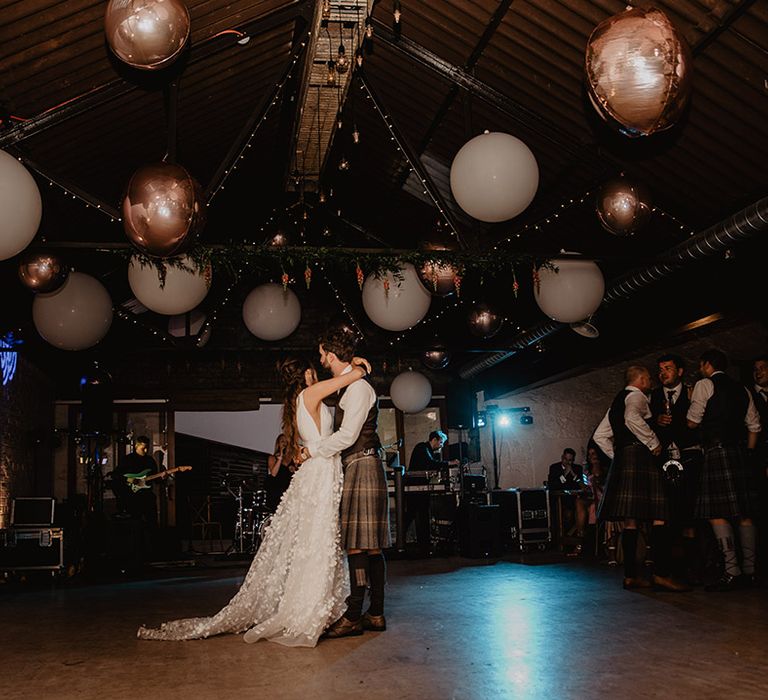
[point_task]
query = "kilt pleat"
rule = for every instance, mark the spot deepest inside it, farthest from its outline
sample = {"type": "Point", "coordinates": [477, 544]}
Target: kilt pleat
{"type": "Point", "coordinates": [365, 505]}
{"type": "Point", "coordinates": [634, 487]}
{"type": "Point", "coordinates": [728, 488]}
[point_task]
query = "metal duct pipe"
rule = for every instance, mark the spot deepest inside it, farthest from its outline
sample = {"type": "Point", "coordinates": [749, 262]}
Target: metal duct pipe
{"type": "Point", "coordinates": [712, 241]}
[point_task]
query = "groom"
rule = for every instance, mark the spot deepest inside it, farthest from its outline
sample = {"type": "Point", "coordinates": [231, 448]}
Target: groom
{"type": "Point", "coordinates": [364, 500]}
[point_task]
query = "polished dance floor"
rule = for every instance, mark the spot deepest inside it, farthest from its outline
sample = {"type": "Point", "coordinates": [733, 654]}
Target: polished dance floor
{"type": "Point", "coordinates": [458, 629]}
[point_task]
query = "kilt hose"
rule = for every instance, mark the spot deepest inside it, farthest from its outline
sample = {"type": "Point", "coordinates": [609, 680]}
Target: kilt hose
{"type": "Point", "coordinates": [634, 487]}
{"type": "Point", "coordinates": [364, 503]}
{"type": "Point", "coordinates": [728, 486]}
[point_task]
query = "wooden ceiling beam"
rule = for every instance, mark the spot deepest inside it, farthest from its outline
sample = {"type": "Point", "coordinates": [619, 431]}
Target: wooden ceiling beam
{"type": "Point", "coordinates": [517, 112]}
{"type": "Point", "coordinates": [117, 88]}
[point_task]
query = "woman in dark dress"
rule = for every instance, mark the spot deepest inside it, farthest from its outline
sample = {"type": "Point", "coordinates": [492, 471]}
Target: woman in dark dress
{"type": "Point", "coordinates": [280, 474]}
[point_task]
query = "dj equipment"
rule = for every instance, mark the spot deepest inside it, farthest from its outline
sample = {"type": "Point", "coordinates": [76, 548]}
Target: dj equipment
{"type": "Point", "coordinates": [32, 543]}
{"type": "Point", "coordinates": [479, 534]}
{"type": "Point", "coordinates": [524, 520]}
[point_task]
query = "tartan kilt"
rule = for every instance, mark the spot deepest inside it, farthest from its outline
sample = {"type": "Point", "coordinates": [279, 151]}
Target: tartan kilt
{"type": "Point", "coordinates": [728, 487]}
{"type": "Point", "coordinates": [634, 487]}
{"type": "Point", "coordinates": [364, 504]}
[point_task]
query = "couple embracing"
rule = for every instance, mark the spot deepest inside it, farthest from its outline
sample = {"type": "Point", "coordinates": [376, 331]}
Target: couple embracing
{"type": "Point", "coordinates": [300, 585]}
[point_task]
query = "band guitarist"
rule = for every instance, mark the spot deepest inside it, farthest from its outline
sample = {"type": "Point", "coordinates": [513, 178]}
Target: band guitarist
{"type": "Point", "coordinates": [142, 504]}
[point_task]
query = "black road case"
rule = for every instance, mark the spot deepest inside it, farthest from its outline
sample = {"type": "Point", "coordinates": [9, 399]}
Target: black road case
{"type": "Point", "coordinates": [32, 549]}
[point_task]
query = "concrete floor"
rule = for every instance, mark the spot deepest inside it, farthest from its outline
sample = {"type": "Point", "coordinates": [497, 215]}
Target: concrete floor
{"type": "Point", "coordinates": [458, 629]}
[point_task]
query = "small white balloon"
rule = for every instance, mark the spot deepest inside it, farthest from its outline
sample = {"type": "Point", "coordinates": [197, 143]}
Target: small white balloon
{"type": "Point", "coordinates": [271, 312]}
{"type": "Point", "coordinates": [400, 307]}
{"type": "Point", "coordinates": [494, 177]}
{"type": "Point", "coordinates": [410, 391]}
{"type": "Point", "coordinates": [76, 316]}
{"type": "Point", "coordinates": [184, 287]}
{"type": "Point", "coordinates": [571, 294]}
{"type": "Point", "coordinates": [20, 204]}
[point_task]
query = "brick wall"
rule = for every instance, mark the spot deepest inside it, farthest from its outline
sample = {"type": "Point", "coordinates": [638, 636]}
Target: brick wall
{"type": "Point", "coordinates": [26, 432]}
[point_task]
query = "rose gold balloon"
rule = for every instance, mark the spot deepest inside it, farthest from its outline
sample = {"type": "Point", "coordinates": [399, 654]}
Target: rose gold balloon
{"type": "Point", "coordinates": [639, 71]}
{"type": "Point", "coordinates": [162, 209]}
{"type": "Point", "coordinates": [623, 206]}
{"type": "Point", "coordinates": [147, 34]}
{"type": "Point", "coordinates": [437, 277]}
{"type": "Point", "coordinates": [436, 359]}
{"type": "Point", "coordinates": [42, 272]}
{"type": "Point", "coordinates": [484, 321]}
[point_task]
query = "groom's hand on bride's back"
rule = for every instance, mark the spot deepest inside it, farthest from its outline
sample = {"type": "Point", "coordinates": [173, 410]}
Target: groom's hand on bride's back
{"type": "Point", "coordinates": [304, 455]}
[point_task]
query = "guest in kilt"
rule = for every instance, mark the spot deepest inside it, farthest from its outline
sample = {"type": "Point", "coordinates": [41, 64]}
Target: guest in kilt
{"type": "Point", "coordinates": [670, 401]}
{"type": "Point", "coordinates": [634, 490]}
{"type": "Point", "coordinates": [728, 492]}
{"type": "Point", "coordinates": [364, 500]}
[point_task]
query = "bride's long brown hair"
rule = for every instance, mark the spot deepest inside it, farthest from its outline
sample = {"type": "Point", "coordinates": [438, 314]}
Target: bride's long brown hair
{"type": "Point", "coordinates": [291, 372]}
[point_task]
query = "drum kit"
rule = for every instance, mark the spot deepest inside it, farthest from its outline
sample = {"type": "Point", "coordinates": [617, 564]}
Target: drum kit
{"type": "Point", "coordinates": [251, 515]}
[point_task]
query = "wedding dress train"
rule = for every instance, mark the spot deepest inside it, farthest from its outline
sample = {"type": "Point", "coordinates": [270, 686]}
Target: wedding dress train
{"type": "Point", "coordinates": [298, 582]}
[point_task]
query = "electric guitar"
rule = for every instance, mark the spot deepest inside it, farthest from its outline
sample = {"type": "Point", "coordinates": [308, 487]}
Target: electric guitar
{"type": "Point", "coordinates": [139, 481]}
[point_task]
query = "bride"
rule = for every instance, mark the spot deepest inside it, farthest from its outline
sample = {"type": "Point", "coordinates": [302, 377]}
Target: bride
{"type": "Point", "coordinates": [298, 581]}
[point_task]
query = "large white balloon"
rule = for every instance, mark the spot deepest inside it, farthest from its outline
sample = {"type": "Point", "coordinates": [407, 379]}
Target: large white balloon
{"type": "Point", "coordinates": [76, 316]}
{"type": "Point", "coordinates": [402, 306]}
{"type": "Point", "coordinates": [571, 294]}
{"type": "Point", "coordinates": [271, 312]}
{"type": "Point", "coordinates": [494, 177]}
{"type": "Point", "coordinates": [184, 287]}
{"type": "Point", "coordinates": [410, 391]}
{"type": "Point", "coordinates": [20, 205]}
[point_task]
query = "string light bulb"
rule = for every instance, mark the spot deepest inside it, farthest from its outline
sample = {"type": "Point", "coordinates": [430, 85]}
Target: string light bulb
{"type": "Point", "coordinates": [342, 62]}
{"type": "Point", "coordinates": [359, 57]}
{"type": "Point", "coordinates": [368, 28]}
{"type": "Point", "coordinates": [330, 80]}
{"type": "Point", "coordinates": [355, 135]}
{"type": "Point", "coordinates": [339, 120]}
{"type": "Point", "coordinates": [343, 164]}
{"type": "Point", "coordinates": [326, 12]}
{"type": "Point", "coordinates": [396, 11]}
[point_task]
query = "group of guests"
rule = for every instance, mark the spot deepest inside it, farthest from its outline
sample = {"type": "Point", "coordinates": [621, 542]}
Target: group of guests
{"type": "Point", "coordinates": [680, 456]}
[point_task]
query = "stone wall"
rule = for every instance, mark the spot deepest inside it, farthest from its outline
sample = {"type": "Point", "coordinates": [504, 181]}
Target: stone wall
{"type": "Point", "coordinates": [566, 413]}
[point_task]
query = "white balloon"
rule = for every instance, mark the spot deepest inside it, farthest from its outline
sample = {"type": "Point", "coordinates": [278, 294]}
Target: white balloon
{"type": "Point", "coordinates": [20, 205]}
{"type": "Point", "coordinates": [184, 288]}
{"type": "Point", "coordinates": [271, 312]}
{"type": "Point", "coordinates": [400, 308]}
{"type": "Point", "coordinates": [410, 391]}
{"type": "Point", "coordinates": [571, 294]}
{"type": "Point", "coordinates": [76, 316]}
{"type": "Point", "coordinates": [494, 177]}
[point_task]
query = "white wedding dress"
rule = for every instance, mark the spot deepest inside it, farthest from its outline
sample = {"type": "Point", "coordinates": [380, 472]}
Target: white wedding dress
{"type": "Point", "coordinates": [298, 581]}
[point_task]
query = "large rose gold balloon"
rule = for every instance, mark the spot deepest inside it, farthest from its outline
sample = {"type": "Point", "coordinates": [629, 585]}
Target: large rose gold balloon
{"type": "Point", "coordinates": [162, 209]}
{"type": "Point", "coordinates": [639, 71]}
{"type": "Point", "coordinates": [623, 206]}
{"type": "Point", "coordinates": [484, 321]}
{"type": "Point", "coordinates": [147, 34]}
{"type": "Point", "coordinates": [438, 277]}
{"type": "Point", "coordinates": [42, 272]}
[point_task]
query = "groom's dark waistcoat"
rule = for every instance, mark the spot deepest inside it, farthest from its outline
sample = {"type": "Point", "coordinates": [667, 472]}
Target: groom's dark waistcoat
{"type": "Point", "coordinates": [368, 438]}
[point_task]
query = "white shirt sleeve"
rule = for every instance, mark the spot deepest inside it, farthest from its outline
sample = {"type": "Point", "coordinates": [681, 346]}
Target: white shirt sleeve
{"type": "Point", "coordinates": [636, 411]}
{"type": "Point", "coordinates": [703, 391]}
{"type": "Point", "coordinates": [604, 436]}
{"type": "Point", "coordinates": [356, 402]}
{"type": "Point", "coordinates": [752, 418]}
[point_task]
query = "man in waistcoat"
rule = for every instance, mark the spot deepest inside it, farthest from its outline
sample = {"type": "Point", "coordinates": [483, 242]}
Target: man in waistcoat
{"type": "Point", "coordinates": [364, 500]}
{"type": "Point", "coordinates": [679, 445]}
{"type": "Point", "coordinates": [729, 423]}
{"type": "Point", "coordinates": [634, 491]}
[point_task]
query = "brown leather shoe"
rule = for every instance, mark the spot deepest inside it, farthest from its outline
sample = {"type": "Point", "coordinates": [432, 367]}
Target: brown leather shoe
{"type": "Point", "coordinates": [631, 584]}
{"type": "Point", "coordinates": [344, 628]}
{"type": "Point", "coordinates": [374, 623]}
{"type": "Point", "coordinates": [670, 584]}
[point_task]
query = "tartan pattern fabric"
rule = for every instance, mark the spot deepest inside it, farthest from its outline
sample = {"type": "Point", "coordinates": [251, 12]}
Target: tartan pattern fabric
{"type": "Point", "coordinates": [364, 504]}
{"type": "Point", "coordinates": [728, 488]}
{"type": "Point", "coordinates": [634, 487]}
{"type": "Point", "coordinates": [684, 492]}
